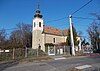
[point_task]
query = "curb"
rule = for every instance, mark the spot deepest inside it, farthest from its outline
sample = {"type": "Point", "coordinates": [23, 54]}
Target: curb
{"type": "Point", "coordinates": [76, 56]}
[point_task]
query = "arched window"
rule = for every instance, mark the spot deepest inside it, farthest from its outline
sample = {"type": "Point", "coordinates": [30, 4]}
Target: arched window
{"type": "Point", "coordinates": [39, 24]}
{"type": "Point", "coordinates": [34, 24]}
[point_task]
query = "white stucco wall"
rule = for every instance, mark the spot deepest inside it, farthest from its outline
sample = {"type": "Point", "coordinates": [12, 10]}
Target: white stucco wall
{"type": "Point", "coordinates": [36, 21]}
{"type": "Point", "coordinates": [58, 39]}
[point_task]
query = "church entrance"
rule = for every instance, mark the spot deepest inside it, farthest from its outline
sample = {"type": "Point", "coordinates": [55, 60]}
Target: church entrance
{"type": "Point", "coordinates": [51, 50]}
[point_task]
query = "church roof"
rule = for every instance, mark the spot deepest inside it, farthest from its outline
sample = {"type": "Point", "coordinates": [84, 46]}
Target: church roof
{"type": "Point", "coordinates": [55, 31]}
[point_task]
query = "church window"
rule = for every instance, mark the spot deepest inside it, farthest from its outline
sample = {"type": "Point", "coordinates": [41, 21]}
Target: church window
{"type": "Point", "coordinates": [39, 24]}
{"type": "Point", "coordinates": [34, 24]}
{"type": "Point", "coordinates": [54, 40]}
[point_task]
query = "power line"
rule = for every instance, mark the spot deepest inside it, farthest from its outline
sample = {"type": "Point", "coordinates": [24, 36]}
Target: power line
{"type": "Point", "coordinates": [81, 7]}
{"type": "Point", "coordinates": [65, 17]}
{"type": "Point", "coordinates": [72, 14]}
{"type": "Point", "coordinates": [85, 18]}
{"type": "Point", "coordinates": [81, 25]}
{"type": "Point", "coordinates": [56, 19]}
{"type": "Point", "coordinates": [9, 29]}
{"type": "Point", "coordinates": [73, 17]}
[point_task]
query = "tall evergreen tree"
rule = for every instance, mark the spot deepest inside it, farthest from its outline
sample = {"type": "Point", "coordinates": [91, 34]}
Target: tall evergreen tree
{"type": "Point", "coordinates": [68, 40]}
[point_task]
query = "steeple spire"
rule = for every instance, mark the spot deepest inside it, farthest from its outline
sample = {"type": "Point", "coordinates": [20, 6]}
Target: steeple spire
{"type": "Point", "coordinates": [38, 5]}
{"type": "Point", "coordinates": [38, 14]}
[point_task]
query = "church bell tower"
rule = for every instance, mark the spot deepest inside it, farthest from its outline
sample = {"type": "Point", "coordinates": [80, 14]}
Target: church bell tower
{"type": "Point", "coordinates": [37, 38]}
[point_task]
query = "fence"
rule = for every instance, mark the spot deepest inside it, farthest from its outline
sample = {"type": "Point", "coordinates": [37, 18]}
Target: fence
{"type": "Point", "coordinates": [62, 50]}
{"type": "Point", "coordinates": [19, 53]}
{"type": "Point", "coordinates": [66, 50]}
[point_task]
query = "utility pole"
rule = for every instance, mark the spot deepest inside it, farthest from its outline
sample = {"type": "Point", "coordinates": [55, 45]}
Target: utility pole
{"type": "Point", "coordinates": [71, 34]}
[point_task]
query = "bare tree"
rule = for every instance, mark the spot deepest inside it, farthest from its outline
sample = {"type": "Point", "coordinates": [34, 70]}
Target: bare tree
{"type": "Point", "coordinates": [15, 38]}
{"type": "Point", "coordinates": [2, 38]}
{"type": "Point", "coordinates": [94, 33]}
{"type": "Point", "coordinates": [22, 35]}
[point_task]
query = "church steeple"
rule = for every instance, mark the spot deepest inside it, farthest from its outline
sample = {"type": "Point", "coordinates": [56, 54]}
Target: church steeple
{"type": "Point", "coordinates": [38, 20]}
{"type": "Point", "coordinates": [38, 14]}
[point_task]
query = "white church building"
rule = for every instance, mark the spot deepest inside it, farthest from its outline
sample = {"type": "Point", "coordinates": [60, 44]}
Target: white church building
{"type": "Point", "coordinates": [47, 38]}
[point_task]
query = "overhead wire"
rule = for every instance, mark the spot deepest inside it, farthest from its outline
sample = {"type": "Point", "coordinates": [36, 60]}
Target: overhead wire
{"type": "Point", "coordinates": [81, 7]}
{"type": "Point", "coordinates": [56, 19]}
{"type": "Point", "coordinates": [85, 18]}
{"type": "Point", "coordinates": [9, 29]}
{"type": "Point", "coordinates": [66, 17]}
{"type": "Point", "coordinates": [73, 13]}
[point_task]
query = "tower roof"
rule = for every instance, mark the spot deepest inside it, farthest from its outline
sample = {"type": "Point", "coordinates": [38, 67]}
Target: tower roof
{"type": "Point", "coordinates": [38, 14]}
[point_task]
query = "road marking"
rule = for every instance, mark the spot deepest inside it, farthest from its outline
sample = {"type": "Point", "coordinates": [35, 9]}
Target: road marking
{"type": "Point", "coordinates": [59, 58]}
{"type": "Point", "coordinates": [83, 67]}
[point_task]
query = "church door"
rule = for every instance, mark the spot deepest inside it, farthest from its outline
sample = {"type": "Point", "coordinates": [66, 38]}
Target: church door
{"type": "Point", "coordinates": [51, 50]}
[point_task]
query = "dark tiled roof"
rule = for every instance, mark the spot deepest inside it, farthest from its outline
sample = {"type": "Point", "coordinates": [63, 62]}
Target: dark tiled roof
{"type": "Point", "coordinates": [54, 31]}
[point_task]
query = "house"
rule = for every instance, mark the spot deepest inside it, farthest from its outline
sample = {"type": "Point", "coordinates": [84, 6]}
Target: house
{"type": "Point", "coordinates": [47, 38]}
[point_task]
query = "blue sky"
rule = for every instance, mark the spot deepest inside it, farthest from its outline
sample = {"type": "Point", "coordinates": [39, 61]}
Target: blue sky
{"type": "Point", "coordinates": [13, 12]}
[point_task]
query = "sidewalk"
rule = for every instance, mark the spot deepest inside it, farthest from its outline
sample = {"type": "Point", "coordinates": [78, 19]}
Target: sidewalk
{"type": "Point", "coordinates": [59, 57]}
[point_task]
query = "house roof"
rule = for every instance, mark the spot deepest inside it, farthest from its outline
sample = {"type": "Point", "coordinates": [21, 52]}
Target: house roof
{"type": "Point", "coordinates": [54, 31]}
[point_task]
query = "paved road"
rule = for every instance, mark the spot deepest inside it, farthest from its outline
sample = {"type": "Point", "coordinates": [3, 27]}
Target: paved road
{"type": "Point", "coordinates": [52, 65]}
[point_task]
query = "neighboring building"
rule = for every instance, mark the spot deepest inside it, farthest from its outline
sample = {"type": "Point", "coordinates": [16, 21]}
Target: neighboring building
{"type": "Point", "coordinates": [87, 49]}
{"type": "Point", "coordinates": [46, 37]}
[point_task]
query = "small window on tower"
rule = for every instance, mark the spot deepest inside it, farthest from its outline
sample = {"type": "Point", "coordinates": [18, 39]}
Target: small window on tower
{"type": "Point", "coordinates": [39, 24]}
{"type": "Point", "coordinates": [54, 40]}
{"type": "Point", "coordinates": [34, 24]}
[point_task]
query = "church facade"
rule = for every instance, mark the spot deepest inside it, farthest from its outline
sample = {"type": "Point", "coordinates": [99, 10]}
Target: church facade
{"type": "Point", "coordinates": [45, 37]}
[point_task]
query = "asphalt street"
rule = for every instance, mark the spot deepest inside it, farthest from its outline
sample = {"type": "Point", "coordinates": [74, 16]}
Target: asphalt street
{"type": "Point", "coordinates": [52, 65]}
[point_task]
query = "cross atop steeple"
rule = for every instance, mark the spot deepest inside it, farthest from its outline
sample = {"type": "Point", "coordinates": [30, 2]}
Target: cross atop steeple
{"type": "Point", "coordinates": [38, 5]}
